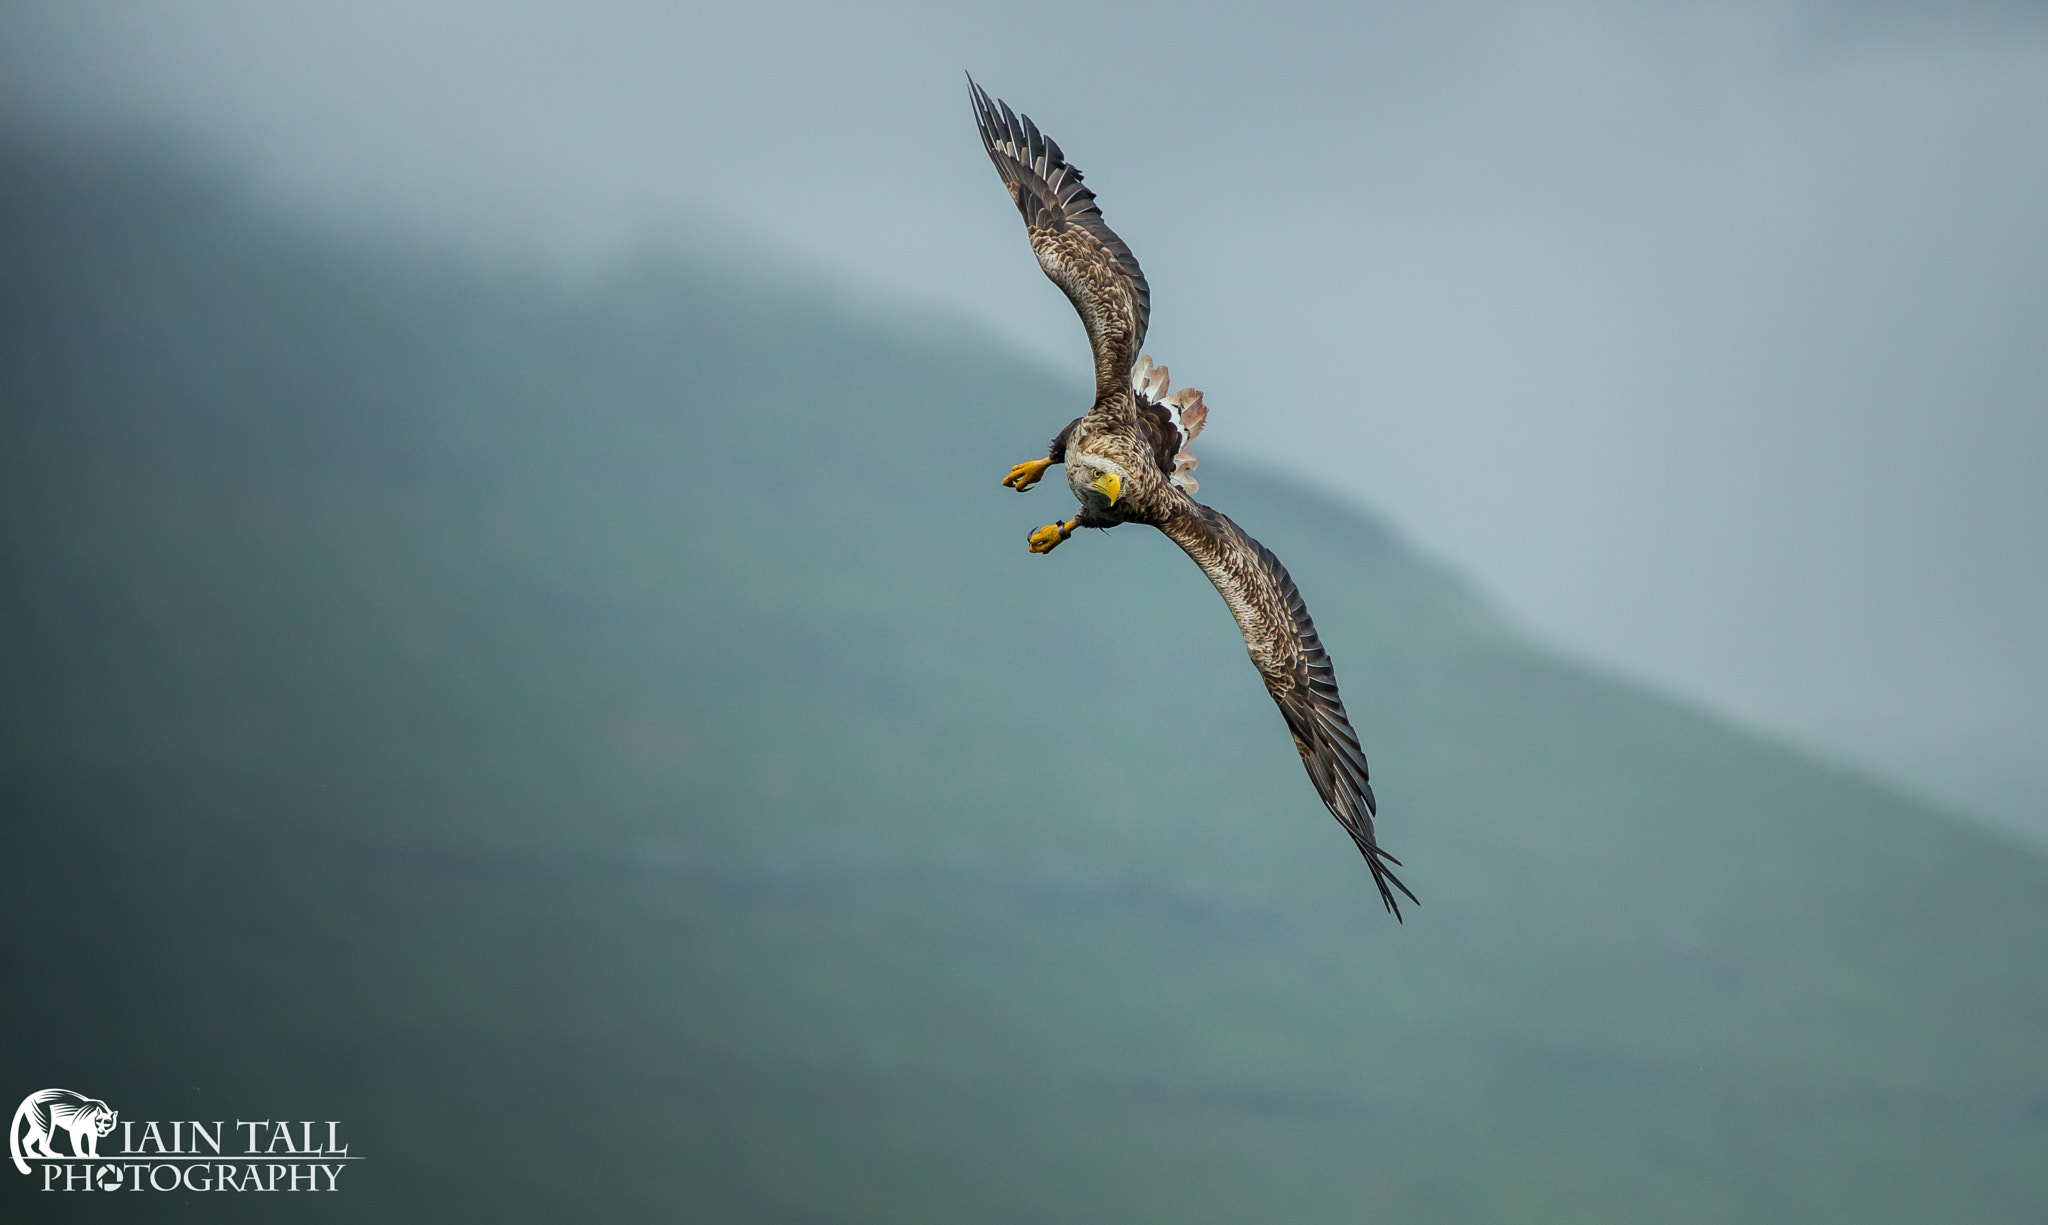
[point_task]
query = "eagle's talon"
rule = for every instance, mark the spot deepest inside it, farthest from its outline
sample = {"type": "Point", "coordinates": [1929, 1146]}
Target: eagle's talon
{"type": "Point", "coordinates": [1024, 476]}
{"type": "Point", "coordinates": [1048, 538]}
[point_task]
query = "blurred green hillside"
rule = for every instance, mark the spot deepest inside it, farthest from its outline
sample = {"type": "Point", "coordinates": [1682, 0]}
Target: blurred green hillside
{"type": "Point", "coordinates": [611, 748]}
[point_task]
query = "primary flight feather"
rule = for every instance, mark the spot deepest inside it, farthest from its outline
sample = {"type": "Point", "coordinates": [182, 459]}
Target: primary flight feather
{"type": "Point", "coordinates": [1127, 461]}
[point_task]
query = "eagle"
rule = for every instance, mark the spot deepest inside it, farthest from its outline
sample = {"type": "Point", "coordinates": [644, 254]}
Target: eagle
{"type": "Point", "coordinates": [1127, 461]}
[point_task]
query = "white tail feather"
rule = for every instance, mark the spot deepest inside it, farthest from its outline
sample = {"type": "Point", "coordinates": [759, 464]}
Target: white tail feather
{"type": "Point", "coordinates": [1189, 411]}
{"type": "Point", "coordinates": [1148, 380]}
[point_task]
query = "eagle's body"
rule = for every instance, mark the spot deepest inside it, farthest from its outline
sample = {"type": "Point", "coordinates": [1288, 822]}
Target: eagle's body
{"type": "Point", "coordinates": [1127, 461]}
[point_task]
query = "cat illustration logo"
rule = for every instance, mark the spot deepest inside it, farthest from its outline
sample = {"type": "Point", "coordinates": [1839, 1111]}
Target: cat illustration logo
{"type": "Point", "coordinates": [48, 1111]}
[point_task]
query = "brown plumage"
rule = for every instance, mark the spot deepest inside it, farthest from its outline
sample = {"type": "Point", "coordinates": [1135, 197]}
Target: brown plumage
{"type": "Point", "coordinates": [1127, 461]}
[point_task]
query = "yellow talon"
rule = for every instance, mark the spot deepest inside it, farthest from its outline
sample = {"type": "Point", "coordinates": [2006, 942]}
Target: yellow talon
{"type": "Point", "coordinates": [1024, 476]}
{"type": "Point", "coordinates": [1048, 538]}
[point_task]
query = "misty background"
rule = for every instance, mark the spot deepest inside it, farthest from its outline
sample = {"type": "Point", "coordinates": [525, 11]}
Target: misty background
{"type": "Point", "coordinates": [510, 638]}
{"type": "Point", "coordinates": [1707, 338]}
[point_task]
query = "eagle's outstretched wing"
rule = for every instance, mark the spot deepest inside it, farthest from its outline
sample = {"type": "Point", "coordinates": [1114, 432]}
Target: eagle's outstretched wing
{"type": "Point", "coordinates": [1290, 657]}
{"type": "Point", "coordinates": [1081, 254]}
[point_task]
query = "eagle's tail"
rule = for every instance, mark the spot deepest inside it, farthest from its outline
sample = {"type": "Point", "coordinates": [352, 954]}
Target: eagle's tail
{"type": "Point", "coordinates": [1184, 408]}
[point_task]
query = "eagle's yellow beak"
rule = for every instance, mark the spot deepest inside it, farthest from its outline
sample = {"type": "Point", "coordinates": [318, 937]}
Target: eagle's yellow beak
{"type": "Point", "coordinates": [1109, 485]}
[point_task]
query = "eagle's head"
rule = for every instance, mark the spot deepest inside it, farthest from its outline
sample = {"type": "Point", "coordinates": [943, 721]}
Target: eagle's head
{"type": "Point", "coordinates": [1098, 482]}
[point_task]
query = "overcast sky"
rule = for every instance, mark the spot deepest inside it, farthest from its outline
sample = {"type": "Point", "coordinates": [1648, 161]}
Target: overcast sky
{"type": "Point", "coordinates": [1712, 340]}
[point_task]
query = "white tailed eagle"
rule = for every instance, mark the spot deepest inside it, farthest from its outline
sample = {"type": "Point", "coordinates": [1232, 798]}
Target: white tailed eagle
{"type": "Point", "coordinates": [1127, 462]}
